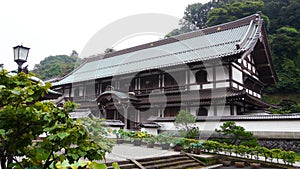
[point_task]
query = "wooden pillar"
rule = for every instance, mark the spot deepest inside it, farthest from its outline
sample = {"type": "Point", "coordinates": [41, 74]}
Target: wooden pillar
{"type": "Point", "coordinates": [232, 109]}
{"type": "Point", "coordinates": [230, 75]}
{"type": "Point", "coordinates": [215, 109]}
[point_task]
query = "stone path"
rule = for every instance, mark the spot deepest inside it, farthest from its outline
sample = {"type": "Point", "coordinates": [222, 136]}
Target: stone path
{"type": "Point", "coordinates": [124, 151]}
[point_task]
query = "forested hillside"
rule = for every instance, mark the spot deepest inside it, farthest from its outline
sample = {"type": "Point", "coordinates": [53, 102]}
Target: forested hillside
{"type": "Point", "coordinates": [56, 66]}
{"type": "Point", "coordinates": [282, 18]}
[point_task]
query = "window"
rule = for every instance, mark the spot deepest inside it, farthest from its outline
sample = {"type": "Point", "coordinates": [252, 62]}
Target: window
{"type": "Point", "coordinates": [201, 76]}
{"type": "Point", "coordinates": [149, 82]}
{"type": "Point", "coordinates": [76, 92]}
{"type": "Point", "coordinates": [169, 80]}
{"type": "Point", "coordinates": [171, 111]}
{"type": "Point", "coordinates": [90, 90]}
{"type": "Point", "coordinates": [202, 112]}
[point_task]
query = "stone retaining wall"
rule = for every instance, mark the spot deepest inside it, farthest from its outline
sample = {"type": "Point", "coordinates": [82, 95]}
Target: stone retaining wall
{"type": "Point", "coordinates": [284, 144]}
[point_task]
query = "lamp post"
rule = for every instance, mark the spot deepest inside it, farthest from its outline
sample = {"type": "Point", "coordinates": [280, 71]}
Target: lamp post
{"type": "Point", "coordinates": [20, 57]}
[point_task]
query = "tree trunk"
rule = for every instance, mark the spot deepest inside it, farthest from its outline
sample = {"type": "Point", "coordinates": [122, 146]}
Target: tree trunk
{"type": "Point", "coordinates": [3, 162]}
{"type": "Point", "coordinates": [9, 161]}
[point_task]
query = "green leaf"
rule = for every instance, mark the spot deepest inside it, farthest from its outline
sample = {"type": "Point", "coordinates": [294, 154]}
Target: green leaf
{"type": "Point", "coordinates": [95, 165]}
{"type": "Point", "coordinates": [2, 132]}
{"type": "Point", "coordinates": [62, 165]}
{"type": "Point", "coordinates": [63, 135]}
{"type": "Point", "coordinates": [2, 87]}
{"type": "Point", "coordinates": [115, 165]}
{"type": "Point", "coordinates": [15, 91]}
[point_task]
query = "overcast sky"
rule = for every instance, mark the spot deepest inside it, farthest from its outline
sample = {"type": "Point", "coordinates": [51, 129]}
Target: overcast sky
{"type": "Point", "coordinates": [54, 27]}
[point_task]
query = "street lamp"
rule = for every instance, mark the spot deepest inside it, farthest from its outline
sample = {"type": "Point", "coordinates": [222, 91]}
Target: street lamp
{"type": "Point", "coordinates": [20, 55]}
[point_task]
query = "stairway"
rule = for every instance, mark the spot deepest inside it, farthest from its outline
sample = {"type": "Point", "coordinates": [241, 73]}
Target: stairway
{"type": "Point", "coordinates": [181, 161]}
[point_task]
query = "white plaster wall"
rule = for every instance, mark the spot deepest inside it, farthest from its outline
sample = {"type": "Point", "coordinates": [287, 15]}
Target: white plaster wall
{"type": "Point", "coordinates": [237, 75]}
{"type": "Point", "coordinates": [192, 77]}
{"type": "Point", "coordinates": [208, 86]}
{"type": "Point", "coordinates": [193, 110]}
{"type": "Point", "coordinates": [210, 75]}
{"type": "Point", "coordinates": [194, 87]}
{"type": "Point", "coordinates": [222, 73]}
{"type": "Point", "coordinates": [223, 110]}
{"type": "Point", "coordinates": [210, 110]}
{"type": "Point", "coordinates": [152, 131]}
{"type": "Point", "coordinates": [222, 84]}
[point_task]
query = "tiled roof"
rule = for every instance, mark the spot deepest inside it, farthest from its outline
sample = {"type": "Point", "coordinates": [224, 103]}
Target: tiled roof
{"type": "Point", "coordinates": [210, 43]}
{"type": "Point", "coordinates": [114, 123]}
{"type": "Point", "coordinates": [149, 125]}
{"type": "Point", "coordinates": [238, 117]}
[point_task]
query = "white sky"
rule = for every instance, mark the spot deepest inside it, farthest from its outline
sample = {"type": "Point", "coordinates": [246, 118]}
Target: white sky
{"type": "Point", "coordinates": [54, 27]}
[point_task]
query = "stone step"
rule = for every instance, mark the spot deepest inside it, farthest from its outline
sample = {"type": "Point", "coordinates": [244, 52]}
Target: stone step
{"type": "Point", "coordinates": [169, 164]}
{"type": "Point", "coordinates": [122, 165]}
{"type": "Point", "coordinates": [160, 157]}
{"type": "Point", "coordinates": [163, 160]}
{"type": "Point", "coordinates": [192, 165]}
{"type": "Point", "coordinates": [181, 161]}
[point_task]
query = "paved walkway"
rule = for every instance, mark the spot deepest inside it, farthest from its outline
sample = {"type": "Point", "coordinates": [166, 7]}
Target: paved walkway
{"type": "Point", "coordinates": [125, 151]}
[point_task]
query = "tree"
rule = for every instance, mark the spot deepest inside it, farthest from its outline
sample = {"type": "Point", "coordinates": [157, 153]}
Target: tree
{"type": "Point", "coordinates": [233, 10]}
{"type": "Point", "coordinates": [185, 122]}
{"type": "Point", "coordinates": [282, 13]}
{"type": "Point", "coordinates": [236, 135]}
{"type": "Point", "coordinates": [285, 45]}
{"type": "Point", "coordinates": [109, 50]}
{"type": "Point", "coordinates": [23, 118]}
{"type": "Point", "coordinates": [56, 66]}
{"type": "Point", "coordinates": [74, 53]}
{"type": "Point", "coordinates": [195, 17]}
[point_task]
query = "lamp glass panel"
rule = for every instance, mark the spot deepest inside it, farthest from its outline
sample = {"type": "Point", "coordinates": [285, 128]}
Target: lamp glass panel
{"type": "Point", "coordinates": [23, 53]}
{"type": "Point", "coordinates": [16, 53]}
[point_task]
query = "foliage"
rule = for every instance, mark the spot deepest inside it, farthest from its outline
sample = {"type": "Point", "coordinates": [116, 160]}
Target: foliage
{"type": "Point", "coordinates": [285, 47]}
{"type": "Point", "coordinates": [212, 146]}
{"type": "Point", "coordinates": [236, 135]}
{"type": "Point", "coordinates": [165, 138]}
{"type": "Point", "coordinates": [150, 139]}
{"type": "Point", "coordinates": [195, 17]}
{"type": "Point", "coordinates": [288, 157]}
{"type": "Point", "coordinates": [23, 118]}
{"type": "Point", "coordinates": [282, 13]}
{"type": "Point", "coordinates": [193, 133]}
{"type": "Point", "coordinates": [119, 133]}
{"type": "Point", "coordinates": [233, 10]}
{"type": "Point", "coordinates": [84, 164]}
{"type": "Point", "coordinates": [97, 132]}
{"type": "Point", "coordinates": [109, 50]}
{"type": "Point", "coordinates": [185, 122]}
{"type": "Point", "coordinates": [194, 147]}
{"type": "Point", "coordinates": [286, 106]}
{"type": "Point", "coordinates": [56, 66]}
{"type": "Point", "coordinates": [184, 142]}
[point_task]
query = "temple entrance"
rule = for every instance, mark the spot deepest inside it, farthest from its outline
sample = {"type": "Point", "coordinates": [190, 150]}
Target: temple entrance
{"type": "Point", "coordinates": [116, 105]}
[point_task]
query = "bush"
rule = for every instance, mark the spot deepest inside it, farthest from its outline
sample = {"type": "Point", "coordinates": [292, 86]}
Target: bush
{"type": "Point", "coordinates": [232, 134]}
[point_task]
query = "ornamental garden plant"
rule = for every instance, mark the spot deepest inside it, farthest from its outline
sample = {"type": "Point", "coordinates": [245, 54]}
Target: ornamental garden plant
{"type": "Point", "coordinates": [23, 118]}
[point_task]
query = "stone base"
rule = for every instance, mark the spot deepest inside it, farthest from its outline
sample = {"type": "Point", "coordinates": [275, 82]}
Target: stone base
{"type": "Point", "coordinates": [284, 144]}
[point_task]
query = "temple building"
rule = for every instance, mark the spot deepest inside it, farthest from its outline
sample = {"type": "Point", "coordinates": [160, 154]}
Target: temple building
{"type": "Point", "coordinates": [218, 71]}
